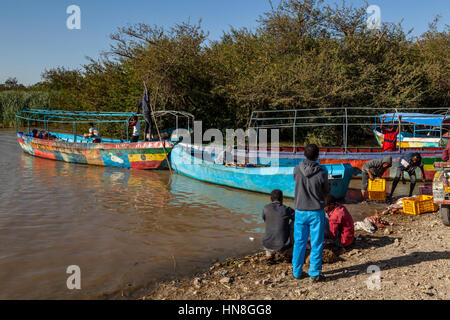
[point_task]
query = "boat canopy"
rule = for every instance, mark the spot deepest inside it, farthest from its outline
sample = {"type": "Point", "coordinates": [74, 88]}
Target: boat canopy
{"type": "Point", "coordinates": [47, 117]}
{"type": "Point", "coordinates": [64, 116]}
{"type": "Point", "coordinates": [432, 120]}
{"type": "Point", "coordinates": [344, 117]}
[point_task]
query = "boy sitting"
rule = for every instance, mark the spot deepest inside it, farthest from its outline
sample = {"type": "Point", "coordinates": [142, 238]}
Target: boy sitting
{"type": "Point", "coordinates": [279, 221]}
{"type": "Point", "coordinates": [340, 227]}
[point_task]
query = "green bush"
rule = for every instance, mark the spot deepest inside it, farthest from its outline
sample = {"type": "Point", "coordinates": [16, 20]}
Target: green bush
{"type": "Point", "coordinates": [12, 102]}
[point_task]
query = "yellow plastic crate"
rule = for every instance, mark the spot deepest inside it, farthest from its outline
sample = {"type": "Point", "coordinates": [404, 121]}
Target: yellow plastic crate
{"type": "Point", "coordinates": [377, 196]}
{"type": "Point", "coordinates": [377, 185]}
{"type": "Point", "coordinates": [419, 205]}
{"type": "Point", "coordinates": [377, 190]}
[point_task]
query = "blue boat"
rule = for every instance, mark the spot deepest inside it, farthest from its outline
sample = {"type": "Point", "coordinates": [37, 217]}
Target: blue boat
{"type": "Point", "coordinates": [190, 161]}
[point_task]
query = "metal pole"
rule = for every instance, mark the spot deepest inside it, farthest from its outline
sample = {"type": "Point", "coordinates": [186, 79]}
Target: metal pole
{"type": "Point", "coordinates": [75, 132]}
{"type": "Point", "coordinates": [127, 132]}
{"type": "Point", "coordinates": [346, 131]}
{"type": "Point", "coordinates": [295, 127]}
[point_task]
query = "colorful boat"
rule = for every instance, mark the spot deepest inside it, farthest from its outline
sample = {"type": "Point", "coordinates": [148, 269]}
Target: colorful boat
{"type": "Point", "coordinates": [190, 161]}
{"type": "Point", "coordinates": [82, 150]}
{"type": "Point", "coordinates": [357, 157]}
{"type": "Point", "coordinates": [416, 124]}
{"type": "Point", "coordinates": [418, 130]}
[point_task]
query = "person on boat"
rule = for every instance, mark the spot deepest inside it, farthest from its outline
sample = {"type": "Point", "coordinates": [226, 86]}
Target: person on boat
{"type": "Point", "coordinates": [93, 132]}
{"type": "Point", "coordinates": [278, 237]}
{"type": "Point", "coordinates": [35, 133]}
{"type": "Point", "coordinates": [147, 112]}
{"type": "Point", "coordinates": [372, 170]}
{"type": "Point", "coordinates": [136, 129]}
{"type": "Point", "coordinates": [408, 163]}
{"type": "Point", "coordinates": [390, 135]}
{"type": "Point", "coordinates": [340, 226]}
{"type": "Point", "coordinates": [311, 188]}
{"type": "Point", "coordinates": [446, 153]}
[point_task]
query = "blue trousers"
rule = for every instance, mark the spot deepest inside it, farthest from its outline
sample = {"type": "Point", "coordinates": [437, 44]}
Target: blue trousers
{"type": "Point", "coordinates": [308, 223]}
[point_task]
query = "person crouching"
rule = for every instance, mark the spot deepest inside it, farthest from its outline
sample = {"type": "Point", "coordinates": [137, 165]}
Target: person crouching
{"type": "Point", "coordinates": [278, 235]}
{"type": "Point", "coordinates": [373, 169]}
{"type": "Point", "coordinates": [340, 227]}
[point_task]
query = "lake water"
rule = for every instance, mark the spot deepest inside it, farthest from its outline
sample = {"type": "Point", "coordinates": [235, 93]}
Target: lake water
{"type": "Point", "coordinates": [125, 229]}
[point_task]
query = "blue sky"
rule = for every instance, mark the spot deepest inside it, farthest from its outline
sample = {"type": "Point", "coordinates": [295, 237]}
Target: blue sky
{"type": "Point", "coordinates": [33, 34]}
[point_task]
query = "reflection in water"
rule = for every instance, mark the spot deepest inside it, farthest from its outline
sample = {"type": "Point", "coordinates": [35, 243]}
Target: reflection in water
{"type": "Point", "coordinates": [125, 229]}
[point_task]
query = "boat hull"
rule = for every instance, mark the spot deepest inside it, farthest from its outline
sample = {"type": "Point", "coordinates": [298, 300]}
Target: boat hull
{"type": "Point", "coordinates": [357, 157]}
{"type": "Point", "coordinates": [143, 155]}
{"type": "Point", "coordinates": [258, 179]}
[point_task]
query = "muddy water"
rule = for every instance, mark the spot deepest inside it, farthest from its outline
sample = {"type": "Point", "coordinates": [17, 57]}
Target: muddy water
{"type": "Point", "coordinates": [124, 229]}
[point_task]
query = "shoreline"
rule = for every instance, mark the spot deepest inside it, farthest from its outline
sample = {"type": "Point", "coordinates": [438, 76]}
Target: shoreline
{"type": "Point", "coordinates": [413, 256]}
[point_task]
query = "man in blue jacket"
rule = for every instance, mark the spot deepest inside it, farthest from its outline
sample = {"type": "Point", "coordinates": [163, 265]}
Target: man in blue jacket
{"type": "Point", "coordinates": [311, 189]}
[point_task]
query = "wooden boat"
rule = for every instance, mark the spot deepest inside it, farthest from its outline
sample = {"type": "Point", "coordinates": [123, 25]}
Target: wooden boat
{"type": "Point", "coordinates": [357, 157]}
{"type": "Point", "coordinates": [419, 130]}
{"type": "Point", "coordinates": [142, 155]}
{"type": "Point", "coordinates": [417, 127]}
{"type": "Point", "coordinates": [190, 161]}
{"type": "Point", "coordinates": [79, 149]}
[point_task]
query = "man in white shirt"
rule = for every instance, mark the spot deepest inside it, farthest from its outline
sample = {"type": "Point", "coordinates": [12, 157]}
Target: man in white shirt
{"type": "Point", "coordinates": [136, 129]}
{"type": "Point", "coordinates": [93, 132]}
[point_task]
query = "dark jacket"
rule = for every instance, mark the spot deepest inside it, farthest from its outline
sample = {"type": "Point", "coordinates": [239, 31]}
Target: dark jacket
{"type": "Point", "coordinates": [406, 164]}
{"type": "Point", "coordinates": [277, 218]}
{"type": "Point", "coordinates": [311, 186]}
{"type": "Point", "coordinates": [376, 166]}
{"type": "Point", "coordinates": [144, 105]}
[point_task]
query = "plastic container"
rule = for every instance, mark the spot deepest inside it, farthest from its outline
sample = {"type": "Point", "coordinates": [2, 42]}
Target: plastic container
{"type": "Point", "coordinates": [419, 205]}
{"type": "Point", "coordinates": [377, 190]}
{"type": "Point", "coordinates": [377, 185]}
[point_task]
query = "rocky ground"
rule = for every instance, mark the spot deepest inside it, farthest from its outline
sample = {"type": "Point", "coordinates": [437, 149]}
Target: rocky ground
{"type": "Point", "coordinates": [413, 256]}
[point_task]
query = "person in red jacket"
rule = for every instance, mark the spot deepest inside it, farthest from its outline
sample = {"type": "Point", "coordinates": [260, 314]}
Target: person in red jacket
{"type": "Point", "coordinates": [390, 136]}
{"type": "Point", "coordinates": [341, 226]}
{"type": "Point", "coordinates": [446, 153]}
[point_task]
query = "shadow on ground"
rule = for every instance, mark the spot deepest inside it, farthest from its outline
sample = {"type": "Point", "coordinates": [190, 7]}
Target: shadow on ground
{"type": "Point", "coordinates": [396, 262]}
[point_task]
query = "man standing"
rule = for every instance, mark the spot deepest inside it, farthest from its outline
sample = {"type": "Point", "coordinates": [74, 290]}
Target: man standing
{"type": "Point", "coordinates": [146, 110]}
{"type": "Point", "coordinates": [408, 163]}
{"type": "Point", "coordinates": [390, 135]}
{"type": "Point", "coordinates": [311, 189]}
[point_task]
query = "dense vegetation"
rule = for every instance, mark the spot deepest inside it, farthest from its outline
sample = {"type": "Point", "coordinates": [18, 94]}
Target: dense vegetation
{"type": "Point", "coordinates": [304, 54]}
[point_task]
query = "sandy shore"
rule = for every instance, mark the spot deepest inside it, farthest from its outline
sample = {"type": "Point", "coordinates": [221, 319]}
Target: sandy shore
{"type": "Point", "coordinates": [413, 256]}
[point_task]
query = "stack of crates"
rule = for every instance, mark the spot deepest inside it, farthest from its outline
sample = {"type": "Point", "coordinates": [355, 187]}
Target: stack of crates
{"type": "Point", "coordinates": [419, 205]}
{"type": "Point", "coordinates": [377, 190]}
